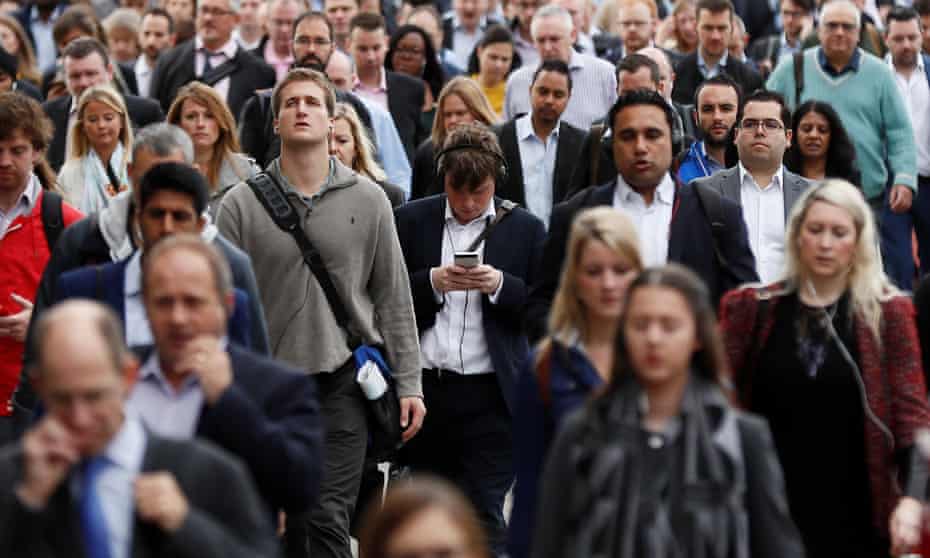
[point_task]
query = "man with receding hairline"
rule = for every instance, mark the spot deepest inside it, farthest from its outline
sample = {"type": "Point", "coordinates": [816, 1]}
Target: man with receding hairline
{"type": "Point", "coordinates": [88, 479]}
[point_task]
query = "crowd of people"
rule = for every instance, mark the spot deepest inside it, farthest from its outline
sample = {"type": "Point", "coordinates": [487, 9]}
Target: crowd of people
{"type": "Point", "coordinates": [464, 278]}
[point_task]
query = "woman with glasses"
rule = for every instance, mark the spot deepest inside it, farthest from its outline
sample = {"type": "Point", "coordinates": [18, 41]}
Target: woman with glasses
{"type": "Point", "coordinates": [829, 356]}
{"type": "Point", "coordinates": [411, 52]}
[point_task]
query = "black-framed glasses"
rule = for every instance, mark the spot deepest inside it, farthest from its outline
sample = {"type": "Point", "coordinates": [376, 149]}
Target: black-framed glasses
{"type": "Point", "coordinates": [768, 124]}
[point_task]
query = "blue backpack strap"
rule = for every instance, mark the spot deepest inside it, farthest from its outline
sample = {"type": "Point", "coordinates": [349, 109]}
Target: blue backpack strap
{"type": "Point", "coordinates": [926, 60]}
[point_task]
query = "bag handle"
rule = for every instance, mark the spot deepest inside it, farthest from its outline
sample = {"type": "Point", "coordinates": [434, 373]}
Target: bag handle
{"type": "Point", "coordinates": [798, 77]}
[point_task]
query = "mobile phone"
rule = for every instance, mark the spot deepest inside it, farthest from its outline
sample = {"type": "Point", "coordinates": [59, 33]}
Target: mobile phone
{"type": "Point", "coordinates": [466, 259]}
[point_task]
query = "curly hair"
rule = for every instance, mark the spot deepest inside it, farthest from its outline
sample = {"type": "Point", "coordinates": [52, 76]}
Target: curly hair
{"type": "Point", "coordinates": [841, 153]}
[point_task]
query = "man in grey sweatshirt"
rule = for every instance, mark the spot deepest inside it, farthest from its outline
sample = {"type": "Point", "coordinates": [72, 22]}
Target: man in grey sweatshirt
{"type": "Point", "coordinates": [349, 220]}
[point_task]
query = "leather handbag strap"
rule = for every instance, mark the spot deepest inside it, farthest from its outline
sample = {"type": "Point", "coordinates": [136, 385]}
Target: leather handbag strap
{"type": "Point", "coordinates": [503, 210]}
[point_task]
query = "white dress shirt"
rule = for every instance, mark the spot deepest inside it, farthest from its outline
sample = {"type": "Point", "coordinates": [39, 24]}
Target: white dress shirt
{"type": "Point", "coordinates": [464, 41]}
{"type": "Point", "coordinates": [456, 341]}
{"type": "Point", "coordinates": [138, 332]}
{"type": "Point", "coordinates": [164, 410]}
{"type": "Point", "coordinates": [23, 206]}
{"type": "Point", "coordinates": [653, 222]}
{"type": "Point", "coordinates": [143, 75]}
{"type": "Point", "coordinates": [226, 52]}
{"type": "Point", "coordinates": [764, 211]}
{"type": "Point", "coordinates": [537, 159]}
{"type": "Point", "coordinates": [916, 94]}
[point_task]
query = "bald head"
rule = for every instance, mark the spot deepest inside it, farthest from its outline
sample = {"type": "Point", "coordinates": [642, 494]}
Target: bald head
{"type": "Point", "coordinates": [76, 327]}
{"type": "Point", "coordinates": [340, 70]}
{"type": "Point", "coordinates": [846, 7]}
{"type": "Point", "coordinates": [666, 74]}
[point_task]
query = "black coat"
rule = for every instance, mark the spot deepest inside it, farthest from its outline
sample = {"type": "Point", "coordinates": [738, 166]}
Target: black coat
{"type": "Point", "coordinates": [691, 243]}
{"type": "Point", "coordinates": [514, 247]}
{"type": "Point", "coordinates": [423, 181]}
{"type": "Point", "coordinates": [175, 69]}
{"type": "Point", "coordinates": [405, 103]}
{"type": "Point", "coordinates": [688, 77]}
{"type": "Point", "coordinates": [142, 112]}
{"type": "Point", "coordinates": [566, 157]}
{"type": "Point", "coordinates": [226, 516]}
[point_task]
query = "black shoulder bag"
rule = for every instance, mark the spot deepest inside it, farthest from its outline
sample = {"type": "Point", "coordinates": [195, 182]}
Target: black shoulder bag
{"type": "Point", "coordinates": [384, 412]}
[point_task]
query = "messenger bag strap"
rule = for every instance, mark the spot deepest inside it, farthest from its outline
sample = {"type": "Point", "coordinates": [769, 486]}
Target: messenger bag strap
{"type": "Point", "coordinates": [503, 210]}
{"type": "Point", "coordinates": [270, 193]}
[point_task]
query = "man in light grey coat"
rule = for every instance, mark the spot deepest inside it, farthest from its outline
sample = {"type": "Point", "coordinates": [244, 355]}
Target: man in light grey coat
{"type": "Point", "coordinates": [762, 186]}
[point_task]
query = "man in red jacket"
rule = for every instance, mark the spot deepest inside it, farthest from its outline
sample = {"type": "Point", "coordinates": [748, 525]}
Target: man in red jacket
{"type": "Point", "coordinates": [25, 132]}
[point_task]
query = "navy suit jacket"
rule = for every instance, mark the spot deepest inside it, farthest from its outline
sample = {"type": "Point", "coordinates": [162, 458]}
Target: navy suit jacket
{"type": "Point", "coordinates": [690, 243]}
{"type": "Point", "coordinates": [104, 283]}
{"type": "Point", "coordinates": [514, 247]}
{"type": "Point", "coordinates": [269, 417]}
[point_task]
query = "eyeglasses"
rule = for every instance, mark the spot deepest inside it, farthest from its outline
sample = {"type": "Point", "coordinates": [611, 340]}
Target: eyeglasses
{"type": "Point", "coordinates": [833, 26]}
{"type": "Point", "coordinates": [307, 41]}
{"type": "Point", "coordinates": [768, 124]}
{"type": "Point", "coordinates": [215, 12]}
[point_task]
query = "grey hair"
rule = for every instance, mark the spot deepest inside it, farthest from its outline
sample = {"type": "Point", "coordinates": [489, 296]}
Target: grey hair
{"type": "Point", "coordinates": [163, 140]}
{"type": "Point", "coordinates": [552, 11]}
{"type": "Point", "coordinates": [123, 18]}
{"type": "Point", "coordinates": [847, 3]}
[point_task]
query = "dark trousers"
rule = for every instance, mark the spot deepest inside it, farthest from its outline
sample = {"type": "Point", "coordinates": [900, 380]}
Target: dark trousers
{"type": "Point", "coordinates": [920, 213]}
{"type": "Point", "coordinates": [467, 439]}
{"type": "Point", "coordinates": [323, 532]}
{"type": "Point", "coordinates": [894, 230]}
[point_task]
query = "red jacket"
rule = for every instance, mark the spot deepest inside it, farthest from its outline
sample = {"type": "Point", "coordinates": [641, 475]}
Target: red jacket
{"type": "Point", "coordinates": [891, 371]}
{"type": "Point", "coordinates": [23, 255]}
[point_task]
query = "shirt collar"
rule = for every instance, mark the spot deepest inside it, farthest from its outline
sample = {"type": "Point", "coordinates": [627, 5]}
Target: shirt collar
{"type": "Point", "coordinates": [577, 61]}
{"type": "Point", "coordinates": [132, 286]}
{"type": "Point", "coordinates": [142, 66]}
{"type": "Point", "coordinates": [382, 86]}
{"type": "Point", "coordinates": [229, 48]}
{"type": "Point", "coordinates": [665, 192]}
{"type": "Point", "coordinates": [458, 26]}
{"type": "Point", "coordinates": [777, 180]}
{"type": "Point", "coordinates": [272, 57]}
{"type": "Point", "coordinates": [151, 372]}
{"type": "Point", "coordinates": [920, 62]}
{"type": "Point", "coordinates": [489, 212]}
{"type": "Point", "coordinates": [851, 66]}
{"type": "Point", "coordinates": [27, 199]}
{"type": "Point", "coordinates": [525, 129]}
{"type": "Point", "coordinates": [34, 15]}
{"type": "Point", "coordinates": [127, 448]}
{"type": "Point", "coordinates": [722, 63]}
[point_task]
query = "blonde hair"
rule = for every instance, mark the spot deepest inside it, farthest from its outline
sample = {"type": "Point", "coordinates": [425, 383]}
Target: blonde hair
{"type": "Point", "coordinates": [600, 224]}
{"type": "Point", "coordinates": [364, 159]}
{"type": "Point", "coordinates": [866, 280]}
{"type": "Point", "coordinates": [227, 142]}
{"type": "Point", "coordinates": [470, 94]}
{"type": "Point", "coordinates": [28, 67]}
{"type": "Point", "coordinates": [80, 144]}
{"type": "Point", "coordinates": [606, 15]}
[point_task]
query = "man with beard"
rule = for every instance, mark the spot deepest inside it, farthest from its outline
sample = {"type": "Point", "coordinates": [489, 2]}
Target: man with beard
{"type": "Point", "coordinates": [155, 35]}
{"type": "Point", "coordinates": [716, 104]}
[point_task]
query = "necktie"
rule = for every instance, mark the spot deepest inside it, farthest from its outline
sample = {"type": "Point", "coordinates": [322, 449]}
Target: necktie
{"type": "Point", "coordinates": [207, 63]}
{"type": "Point", "coordinates": [93, 522]}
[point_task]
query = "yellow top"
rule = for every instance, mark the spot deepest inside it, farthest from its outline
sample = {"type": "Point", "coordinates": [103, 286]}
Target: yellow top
{"type": "Point", "coordinates": [495, 95]}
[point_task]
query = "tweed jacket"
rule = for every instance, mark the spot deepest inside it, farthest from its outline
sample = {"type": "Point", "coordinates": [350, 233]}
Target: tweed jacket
{"type": "Point", "coordinates": [890, 368]}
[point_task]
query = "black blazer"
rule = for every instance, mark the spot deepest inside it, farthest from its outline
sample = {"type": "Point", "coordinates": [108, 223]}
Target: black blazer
{"type": "Point", "coordinates": [405, 103]}
{"type": "Point", "coordinates": [691, 243]}
{"type": "Point", "coordinates": [142, 112]}
{"type": "Point", "coordinates": [566, 157]}
{"type": "Point", "coordinates": [448, 33]}
{"type": "Point", "coordinates": [226, 517]}
{"type": "Point", "coordinates": [514, 247]}
{"type": "Point", "coordinates": [269, 418]}
{"type": "Point", "coordinates": [175, 68]}
{"type": "Point", "coordinates": [423, 181]}
{"type": "Point", "coordinates": [688, 77]}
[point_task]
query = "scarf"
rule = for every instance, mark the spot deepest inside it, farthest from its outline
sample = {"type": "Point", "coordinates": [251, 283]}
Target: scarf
{"type": "Point", "coordinates": [99, 180]}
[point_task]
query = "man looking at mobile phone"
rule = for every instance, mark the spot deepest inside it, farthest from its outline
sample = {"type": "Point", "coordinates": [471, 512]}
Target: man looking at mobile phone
{"type": "Point", "coordinates": [469, 319]}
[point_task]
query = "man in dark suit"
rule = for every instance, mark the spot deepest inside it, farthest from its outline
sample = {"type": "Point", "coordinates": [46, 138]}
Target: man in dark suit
{"type": "Point", "coordinates": [715, 24]}
{"type": "Point", "coordinates": [470, 320]}
{"type": "Point", "coordinates": [760, 183]}
{"type": "Point", "coordinates": [399, 94]}
{"type": "Point", "coordinates": [541, 150]}
{"type": "Point", "coordinates": [214, 58]}
{"type": "Point", "coordinates": [86, 63]}
{"type": "Point", "coordinates": [172, 200]}
{"type": "Point", "coordinates": [673, 222]}
{"type": "Point", "coordinates": [768, 50]}
{"type": "Point", "coordinates": [758, 16]}
{"type": "Point", "coordinates": [262, 411]}
{"type": "Point", "coordinates": [89, 480]}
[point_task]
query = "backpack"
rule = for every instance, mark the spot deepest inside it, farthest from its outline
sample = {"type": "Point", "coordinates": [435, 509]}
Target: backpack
{"type": "Point", "coordinates": [52, 220]}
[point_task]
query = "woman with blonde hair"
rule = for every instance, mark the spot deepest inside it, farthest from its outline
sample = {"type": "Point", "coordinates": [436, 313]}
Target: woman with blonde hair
{"type": "Point", "coordinates": [13, 39]}
{"type": "Point", "coordinates": [352, 146]}
{"type": "Point", "coordinates": [100, 145]}
{"type": "Point", "coordinates": [833, 334]}
{"type": "Point", "coordinates": [460, 101]}
{"type": "Point", "coordinates": [200, 111]}
{"type": "Point", "coordinates": [577, 357]}
{"type": "Point", "coordinates": [678, 32]}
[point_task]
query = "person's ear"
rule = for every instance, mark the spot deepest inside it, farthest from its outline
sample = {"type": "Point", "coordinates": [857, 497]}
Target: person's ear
{"type": "Point", "coordinates": [788, 135]}
{"type": "Point", "coordinates": [201, 223]}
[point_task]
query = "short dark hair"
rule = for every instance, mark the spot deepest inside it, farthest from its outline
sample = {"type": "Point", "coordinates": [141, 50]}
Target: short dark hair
{"type": "Point", "coordinates": [714, 7]}
{"type": "Point", "coordinates": [19, 112]}
{"type": "Point", "coordinates": [312, 15]}
{"type": "Point", "coordinates": [557, 66]}
{"type": "Point", "coordinates": [901, 14]}
{"type": "Point", "coordinates": [176, 177]}
{"type": "Point", "coordinates": [922, 7]}
{"type": "Point", "coordinates": [160, 12]}
{"type": "Point", "coordinates": [632, 63]}
{"type": "Point", "coordinates": [469, 156]}
{"type": "Point", "coordinates": [719, 79]}
{"type": "Point", "coordinates": [79, 49]}
{"type": "Point", "coordinates": [764, 96]}
{"type": "Point", "coordinates": [77, 16]}
{"type": "Point", "coordinates": [806, 5]}
{"type": "Point", "coordinates": [643, 97]}
{"type": "Point", "coordinates": [367, 22]}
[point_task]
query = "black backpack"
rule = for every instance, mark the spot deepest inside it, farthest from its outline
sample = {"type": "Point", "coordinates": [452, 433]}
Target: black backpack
{"type": "Point", "coordinates": [52, 219]}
